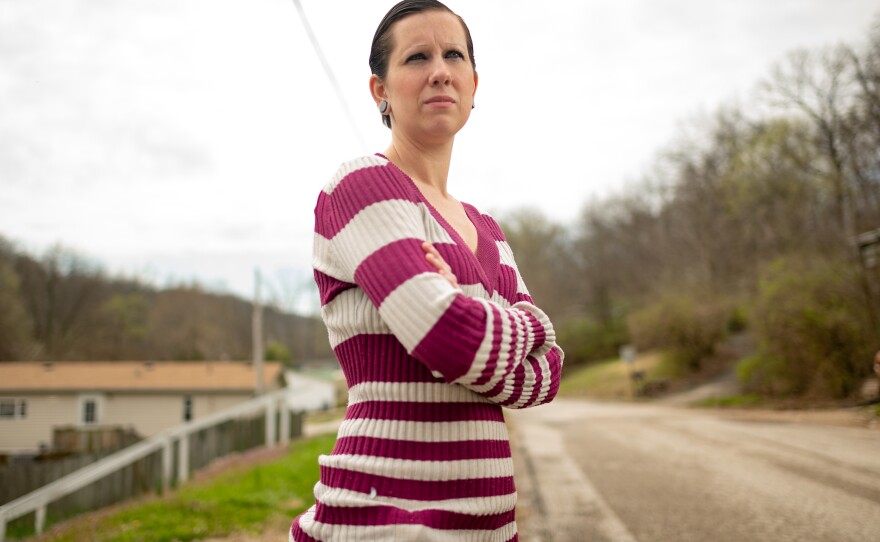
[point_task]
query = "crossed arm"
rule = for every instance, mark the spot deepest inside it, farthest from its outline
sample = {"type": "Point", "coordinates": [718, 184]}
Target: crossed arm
{"type": "Point", "coordinates": [373, 235]}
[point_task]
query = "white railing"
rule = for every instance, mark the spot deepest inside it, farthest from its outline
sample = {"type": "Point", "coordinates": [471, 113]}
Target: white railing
{"type": "Point", "coordinates": [38, 500]}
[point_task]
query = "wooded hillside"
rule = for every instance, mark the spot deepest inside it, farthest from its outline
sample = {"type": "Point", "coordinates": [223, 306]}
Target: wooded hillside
{"type": "Point", "coordinates": [63, 307]}
{"type": "Point", "coordinates": [749, 220]}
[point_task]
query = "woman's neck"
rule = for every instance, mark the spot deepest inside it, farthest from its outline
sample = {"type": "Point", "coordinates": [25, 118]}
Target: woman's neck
{"type": "Point", "coordinates": [428, 165]}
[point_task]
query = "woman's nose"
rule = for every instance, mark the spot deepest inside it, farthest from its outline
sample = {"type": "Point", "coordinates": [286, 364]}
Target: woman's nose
{"type": "Point", "coordinates": [440, 74]}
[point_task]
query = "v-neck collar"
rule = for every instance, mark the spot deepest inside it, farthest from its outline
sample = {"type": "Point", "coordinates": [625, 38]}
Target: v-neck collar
{"type": "Point", "coordinates": [486, 258]}
{"type": "Point", "coordinates": [487, 251]}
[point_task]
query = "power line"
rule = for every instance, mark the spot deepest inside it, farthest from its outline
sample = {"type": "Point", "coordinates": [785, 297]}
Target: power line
{"type": "Point", "coordinates": [333, 82]}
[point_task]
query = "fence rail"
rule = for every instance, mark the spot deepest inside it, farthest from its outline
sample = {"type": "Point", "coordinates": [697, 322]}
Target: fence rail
{"type": "Point", "coordinates": [271, 405]}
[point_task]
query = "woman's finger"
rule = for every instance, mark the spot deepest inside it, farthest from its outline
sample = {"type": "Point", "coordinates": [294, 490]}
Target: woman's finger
{"type": "Point", "coordinates": [429, 248]}
{"type": "Point", "coordinates": [434, 258]}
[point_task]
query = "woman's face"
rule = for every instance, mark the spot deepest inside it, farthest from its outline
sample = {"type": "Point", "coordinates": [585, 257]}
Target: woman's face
{"type": "Point", "coordinates": [430, 82]}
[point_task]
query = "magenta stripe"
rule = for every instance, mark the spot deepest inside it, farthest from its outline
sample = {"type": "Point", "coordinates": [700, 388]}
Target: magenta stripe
{"type": "Point", "coordinates": [423, 451]}
{"type": "Point", "coordinates": [487, 250]}
{"type": "Point", "coordinates": [524, 297]}
{"type": "Point", "coordinates": [539, 379]}
{"type": "Point", "coordinates": [379, 358]}
{"type": "Point", "coordinates": [424, 412]}
{"type": "Point", "coordinates": [538, 334]}
{"type": "Point", "coordinates": [494, 228]}
{"type": "Point", "coordinates": [391, 515]}
{"type": "Point", "coordinates": [554, 361]}
{"type": "Point", "coordinates": [330, 287]}
{"type": "Point", "coordinates": [298, 534]}
{"type": "Point", "coordinates": [492, 361]}
{"type": "Point", "coordinates": [323, 216]}
{"type": "Point", "coordinates": [356, 191]}
{"type": "Point", "coordinates": [388, 267]}
{"type": "Point", "coordinates": [416, 490]}
{"type": "Point", "coordinates": [460, 260]}
{"type": "Point", "coordinates": [507, 283]}
{"type": "Point", "coordinates": [450, 346]}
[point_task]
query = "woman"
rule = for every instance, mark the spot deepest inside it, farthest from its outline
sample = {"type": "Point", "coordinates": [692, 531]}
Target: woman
{"type": "Point", "coordinates": [426, 312]}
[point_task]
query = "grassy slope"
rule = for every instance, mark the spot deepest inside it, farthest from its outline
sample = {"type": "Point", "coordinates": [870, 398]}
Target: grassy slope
{"type": "Point", "coordinates": [609, 379]}
{"type": "Point", "coordinates": [244, 500]}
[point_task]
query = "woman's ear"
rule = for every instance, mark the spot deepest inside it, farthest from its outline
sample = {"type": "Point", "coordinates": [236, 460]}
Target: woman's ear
{"type": "Point", "coordinates": [377, 89]}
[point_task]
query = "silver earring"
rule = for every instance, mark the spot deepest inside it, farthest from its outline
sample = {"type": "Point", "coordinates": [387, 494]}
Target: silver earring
{"type": "Point", "coordinates": [473, 105]}
{"type": "Point", "coordinates": [383, 107]}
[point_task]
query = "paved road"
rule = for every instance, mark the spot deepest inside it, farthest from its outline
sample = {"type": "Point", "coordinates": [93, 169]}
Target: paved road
{"type": "Point", "coordinates": [620, 472]}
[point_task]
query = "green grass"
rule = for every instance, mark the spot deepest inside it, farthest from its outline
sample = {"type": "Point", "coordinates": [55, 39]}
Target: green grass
{"type": "Point", "coordinates": [244, 500]}
{"type": "Point", "coordinates": [732, 401]}
{"type": "Point", "coordinates": [609, 379]}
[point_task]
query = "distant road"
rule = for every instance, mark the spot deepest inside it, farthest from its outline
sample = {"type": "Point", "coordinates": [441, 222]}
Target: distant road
{"type": "Point", "coordinates": [621, 473]}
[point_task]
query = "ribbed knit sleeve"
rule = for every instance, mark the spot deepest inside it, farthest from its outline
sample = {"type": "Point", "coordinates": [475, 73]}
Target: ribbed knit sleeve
{"type": "Point", "coordinates": [369, 228]}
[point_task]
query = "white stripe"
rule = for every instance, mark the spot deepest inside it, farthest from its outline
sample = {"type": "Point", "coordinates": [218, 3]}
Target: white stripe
{"type": "Point", "coordinates": [505, 254]}
{"type": "Point", "coordinates": [474, 505]}
{"type": "Point", "coordinates": [414, 307]}
{"type": "Point", "coordinates": [475, 290]}
{"type": "Point", "coordinates": [383, 533]}
{"type": "Point", "coordinates": [499, 299]}
{"type": "Point", "coordinates": [306, 521]}
{"type": "Point", "coordinates": [322, 261]}
{"type": "Point", "coordinates": [377, 225]}
{"type": "Point", "coordinates": [424, 431]}
{"type": "Point", "coordinates": [351, 166]}
{"type": "Point", "coordinates": [352, 313]}
{"type": "Point", "coordinates": [430, 471]}
{"type": "Point", "coordinates": [436, 233]}
{"type": "Point", "coordinates": [420, 392]}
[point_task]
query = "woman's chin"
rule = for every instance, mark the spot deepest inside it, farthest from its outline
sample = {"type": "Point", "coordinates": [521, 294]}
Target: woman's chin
{"type": "Point", "coordinates": [442, 129]}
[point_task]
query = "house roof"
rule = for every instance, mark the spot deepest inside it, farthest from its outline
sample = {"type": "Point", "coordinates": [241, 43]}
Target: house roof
{"type": "Point", "coordinates": [134, 376]}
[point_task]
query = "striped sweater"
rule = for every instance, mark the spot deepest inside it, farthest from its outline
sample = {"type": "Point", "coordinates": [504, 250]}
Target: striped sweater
{"type": "Point", "coordinates": [423, 452]}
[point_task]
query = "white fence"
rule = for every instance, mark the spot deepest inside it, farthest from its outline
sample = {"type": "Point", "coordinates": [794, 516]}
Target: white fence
{"type": "Point", "coordinates": [37, 501]}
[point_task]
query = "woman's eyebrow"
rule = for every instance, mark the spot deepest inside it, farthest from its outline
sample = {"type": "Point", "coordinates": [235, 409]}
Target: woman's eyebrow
{"type": "Point", "coordinates": [414, 47]}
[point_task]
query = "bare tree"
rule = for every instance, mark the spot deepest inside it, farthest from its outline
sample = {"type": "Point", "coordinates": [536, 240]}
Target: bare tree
{"type": "Point", "coordinates": [816, 85]}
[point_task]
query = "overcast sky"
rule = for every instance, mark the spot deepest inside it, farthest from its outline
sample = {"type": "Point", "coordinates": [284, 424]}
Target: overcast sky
{"type": "Point", "coordinates": [180, 139]}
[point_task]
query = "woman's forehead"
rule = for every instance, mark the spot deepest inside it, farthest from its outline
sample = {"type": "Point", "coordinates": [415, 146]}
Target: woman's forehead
{"type": "Point", "coordinates": [428, 28]}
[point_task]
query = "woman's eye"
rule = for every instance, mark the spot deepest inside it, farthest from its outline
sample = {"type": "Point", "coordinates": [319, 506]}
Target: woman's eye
{"type": "Point", "coordinates": [455, 54]}
{"type": "Point", "coordinates": [417, 56]}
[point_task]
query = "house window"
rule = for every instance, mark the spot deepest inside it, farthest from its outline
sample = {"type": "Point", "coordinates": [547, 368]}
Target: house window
{"type": "Point", "coordinates": [90, 409]}
{"type": "Point", "coordinates": [13, 409]}
{"type": "Point", "coordinates": [187, 408]}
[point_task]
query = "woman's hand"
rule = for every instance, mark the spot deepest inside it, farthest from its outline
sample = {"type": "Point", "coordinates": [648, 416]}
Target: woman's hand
{"type": "Point", "coordinates": [440, 264]}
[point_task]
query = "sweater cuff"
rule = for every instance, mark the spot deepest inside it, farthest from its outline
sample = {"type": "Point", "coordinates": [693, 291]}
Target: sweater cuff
{"type": "Point", "coordinates": [542, 332]}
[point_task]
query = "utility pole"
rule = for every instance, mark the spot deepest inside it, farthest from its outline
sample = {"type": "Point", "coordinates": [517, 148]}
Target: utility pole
{"type": "Point", "coordinates": [868, 246]}
{"type": "Point", "coordinates": [257, 334]}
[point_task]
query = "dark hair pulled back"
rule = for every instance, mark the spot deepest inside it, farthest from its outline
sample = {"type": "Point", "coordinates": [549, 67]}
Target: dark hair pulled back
{"type": "Point", "coordinates": [382, 45]}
